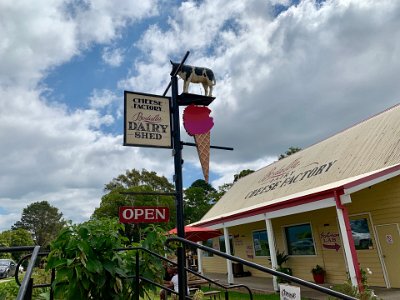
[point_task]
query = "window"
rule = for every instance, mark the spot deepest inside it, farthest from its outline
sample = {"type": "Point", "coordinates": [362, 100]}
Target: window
{"type": "Point", "coordinates": [222, 244]}
{"type": "Point", "coordinates": [299, 240]}
{"type": "Point", "coordinates": [260, 243]}
{"type": "Point", "coordinates": [208, 243]}
{"type": "Point", "coordinates": [361, 234]}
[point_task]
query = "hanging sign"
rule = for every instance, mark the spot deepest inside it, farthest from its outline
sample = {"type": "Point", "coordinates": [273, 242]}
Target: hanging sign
{"type": "Point", "coordinates": [143, 214]}
{"type": "Point", "coordinates": [147, 120]}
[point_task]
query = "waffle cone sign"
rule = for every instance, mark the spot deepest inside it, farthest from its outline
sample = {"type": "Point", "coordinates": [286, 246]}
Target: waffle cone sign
{"type": "Point", "coordinates": [198, 124]}
{"type": "Point", "coordinates": [203, 150]}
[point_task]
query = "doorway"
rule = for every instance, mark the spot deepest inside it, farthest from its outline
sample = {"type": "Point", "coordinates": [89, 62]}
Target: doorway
{"type": "Point", "coordinates": [389, 241]}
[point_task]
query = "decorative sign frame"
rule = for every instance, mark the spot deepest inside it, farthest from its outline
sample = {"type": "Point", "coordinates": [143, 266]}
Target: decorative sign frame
{"type": "Point", "coordinates": [147, 120]}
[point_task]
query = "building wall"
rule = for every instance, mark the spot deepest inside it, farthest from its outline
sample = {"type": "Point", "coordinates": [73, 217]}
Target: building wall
{"type": "Point", "coordinates": [380, 204]}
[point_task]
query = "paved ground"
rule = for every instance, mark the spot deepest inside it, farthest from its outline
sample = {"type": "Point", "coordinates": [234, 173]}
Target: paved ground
{"type": "Point", "coordinates": [264, 285]}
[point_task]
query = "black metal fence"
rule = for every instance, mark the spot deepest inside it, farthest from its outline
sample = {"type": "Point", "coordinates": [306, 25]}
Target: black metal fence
{"type": "Point", "coordinates": [27, 284]}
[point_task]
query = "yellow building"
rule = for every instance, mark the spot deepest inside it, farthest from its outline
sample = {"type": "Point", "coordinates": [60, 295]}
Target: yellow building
{"type": "Point", "coordinates": [335, 204]}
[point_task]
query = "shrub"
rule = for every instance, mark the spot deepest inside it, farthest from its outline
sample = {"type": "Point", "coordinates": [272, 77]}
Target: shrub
{"type": "Point", "coordinates": [88, 267]}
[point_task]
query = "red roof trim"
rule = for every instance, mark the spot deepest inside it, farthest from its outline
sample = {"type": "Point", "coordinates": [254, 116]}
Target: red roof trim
{"type": "Point", "coordinates": [299, 200]}
{"type": "Point", "coordinates": [273, 207]}
{"type": "Point", "coordinates": [372, 177]}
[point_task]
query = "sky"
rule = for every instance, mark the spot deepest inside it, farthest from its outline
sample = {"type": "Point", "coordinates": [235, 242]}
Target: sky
{"type": "Point", "coordinates": [288, 73]}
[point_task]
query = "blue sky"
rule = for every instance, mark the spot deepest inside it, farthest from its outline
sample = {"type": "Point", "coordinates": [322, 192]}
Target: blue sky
{"type": "Point", "coordinates": [289, 73]}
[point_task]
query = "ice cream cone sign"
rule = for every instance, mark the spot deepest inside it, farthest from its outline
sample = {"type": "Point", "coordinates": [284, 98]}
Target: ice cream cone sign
{"type": "Point", "coordinates": [198, 124]}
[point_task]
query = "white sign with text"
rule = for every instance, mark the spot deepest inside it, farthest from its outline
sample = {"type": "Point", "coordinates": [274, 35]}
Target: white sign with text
{"type": "Point", "coordinates": [289, 292]}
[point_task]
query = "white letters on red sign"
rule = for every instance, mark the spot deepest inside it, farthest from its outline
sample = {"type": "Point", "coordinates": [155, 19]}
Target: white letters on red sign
{"type": "Point", "coordinates": [143, 214]}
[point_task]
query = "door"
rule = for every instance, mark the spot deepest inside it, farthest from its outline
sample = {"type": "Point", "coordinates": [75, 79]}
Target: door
{"type": "Point", "coordinates": [389, 241]}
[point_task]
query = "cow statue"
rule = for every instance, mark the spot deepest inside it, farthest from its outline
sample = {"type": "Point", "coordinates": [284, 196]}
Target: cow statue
{"type": "Point", "coordinates": [196, 75]}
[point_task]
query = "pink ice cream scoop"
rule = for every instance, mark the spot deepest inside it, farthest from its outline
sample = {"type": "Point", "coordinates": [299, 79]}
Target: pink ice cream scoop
{"type": "Point", "coordinates": [196, 119]}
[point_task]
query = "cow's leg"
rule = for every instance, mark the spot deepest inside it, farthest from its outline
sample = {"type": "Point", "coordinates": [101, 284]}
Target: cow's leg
{"type": "Point", "coordinates": [186, 86]}
{"type": "Point", "coordinates": [210, 92]}
{"type": "Point", "coordinates": [205, 86]}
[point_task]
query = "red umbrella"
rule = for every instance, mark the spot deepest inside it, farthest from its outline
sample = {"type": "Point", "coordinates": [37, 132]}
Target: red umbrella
{"type": "Point", "coordinates": [198, 234]}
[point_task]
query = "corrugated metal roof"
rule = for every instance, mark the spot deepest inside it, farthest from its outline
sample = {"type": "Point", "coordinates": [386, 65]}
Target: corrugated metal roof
{"type": "Point", "coordinates": [355, 153]}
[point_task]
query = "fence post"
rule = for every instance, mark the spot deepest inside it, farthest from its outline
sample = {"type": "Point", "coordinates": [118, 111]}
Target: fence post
{"type": "Point", "coordinates": [137, 278]}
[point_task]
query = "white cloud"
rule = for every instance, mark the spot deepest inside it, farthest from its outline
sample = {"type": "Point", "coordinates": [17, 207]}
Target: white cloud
{"type": "Point", "coordinates": [282, 81]}
{"type": "Point", "coordinates": [113, 57]}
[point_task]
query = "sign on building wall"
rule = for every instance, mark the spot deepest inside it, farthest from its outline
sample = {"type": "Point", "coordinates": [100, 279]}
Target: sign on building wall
{"type": "Point", "coordinates": [330, 240]}
{"type": "Point", "coordinates": [147, 120]}
{"type": "Point", "coordinates": [143, 214]}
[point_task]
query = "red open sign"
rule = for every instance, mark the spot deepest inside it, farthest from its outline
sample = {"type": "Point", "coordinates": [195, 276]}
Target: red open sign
{"type": "Point", "coordinates": [143, 214]}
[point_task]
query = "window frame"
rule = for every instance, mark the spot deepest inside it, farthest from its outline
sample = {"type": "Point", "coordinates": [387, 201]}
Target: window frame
{"type": "Point", "coordinates": [367, 216]}
{"type": "Point", "coordinates": [254, 248]}
{"type": "Point", "coordinates": [285, 238]}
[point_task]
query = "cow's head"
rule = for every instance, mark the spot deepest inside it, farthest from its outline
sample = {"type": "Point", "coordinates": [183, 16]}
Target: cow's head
{"type": "Point", "coordinates": [174, 67]}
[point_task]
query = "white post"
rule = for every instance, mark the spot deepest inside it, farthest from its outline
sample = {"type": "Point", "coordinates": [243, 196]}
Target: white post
{"type": "Point", "coordinates": [199, 259]}
{"type": "Point", "coordinates": [272, 250]}
{"type": "Point", "coordinates": [228, 251]}
{"type": "Point", "coordinates": [346, 247]}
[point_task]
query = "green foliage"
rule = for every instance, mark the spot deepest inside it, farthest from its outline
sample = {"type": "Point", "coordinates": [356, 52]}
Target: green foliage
{"type": "Point", "coordinates": [88, 267]}
{"type": "Point", "coordinates": [13, 238]}
{"type": "Point", "coordinates": [136, 181]}
{"type": "Point", "coordinates": [199, 198]}
{"type": "Point", "coordinates": [350, 290]}
{"type": "Point", "coordinates": [9, 290]}
{"type": "Point", "coordinates": [42, 220]}
{"type": "Point", "coordinates": [134, 178]}
{"type": "Point", "coordinates": [289, 152]}
{"type": "Point", "coordinates": [111, 202]}
{"type": "Point", "coordinates": [242, 173]}
{"type": "Point", "coordinates": [281, 258]}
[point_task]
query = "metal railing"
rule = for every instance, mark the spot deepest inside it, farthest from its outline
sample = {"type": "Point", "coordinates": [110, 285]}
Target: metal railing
{"type": "Point", "coordinates": [262, 268]}
{"type": "Point", "coordinates": [27, 286]}
{"type": "Point", "coordinates": [210, 281]}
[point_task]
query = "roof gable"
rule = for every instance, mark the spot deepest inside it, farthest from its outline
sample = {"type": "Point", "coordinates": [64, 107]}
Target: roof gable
{"type": "Point", "coordinates": [366, 147]}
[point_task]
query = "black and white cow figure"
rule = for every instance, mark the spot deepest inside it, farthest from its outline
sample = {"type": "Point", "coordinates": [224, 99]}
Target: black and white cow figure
{"type": "Point", "coordinates": [195, 75]}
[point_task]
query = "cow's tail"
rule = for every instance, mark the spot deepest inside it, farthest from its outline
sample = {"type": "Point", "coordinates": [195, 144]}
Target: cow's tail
{"type": "Point", "coordinates": [214, 81]}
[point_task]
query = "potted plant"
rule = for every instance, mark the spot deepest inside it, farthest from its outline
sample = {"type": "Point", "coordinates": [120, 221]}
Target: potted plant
{"type": "Point", "coordinates": [282, 258]}
{"type": "Point", "coordinates": [318, 274]}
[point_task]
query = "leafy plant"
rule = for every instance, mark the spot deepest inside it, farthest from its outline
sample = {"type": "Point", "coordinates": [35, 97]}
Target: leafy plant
{"type": "Point", "coordinates": [282, 258]}
{"type": "Point", "coordinates": [86, 265]}
{"type": "Point", "coordinates": [89, 267]}
{"type": "Point", "coordinates": [317, 270]}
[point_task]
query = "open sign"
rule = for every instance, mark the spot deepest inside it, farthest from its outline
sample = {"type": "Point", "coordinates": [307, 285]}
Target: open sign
{"type": "Point", "coordinates": [143, 214]}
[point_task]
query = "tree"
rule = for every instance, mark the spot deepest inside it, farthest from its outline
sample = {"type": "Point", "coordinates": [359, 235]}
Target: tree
{"type": "Point", "coordinates": [199, 198]}
{"type": "Point", "coordinates": [14, 238]}
{"type": "Point", "coordinates": [136, 181]}
{"type": "Point", "coordinates": [290, 151]}
{"type": "Point", "coordinates": [136, 178]}
{"type": "Point", "coordinates": [242, 173]}
{"type": "Point", "coordinates": [42, 220]}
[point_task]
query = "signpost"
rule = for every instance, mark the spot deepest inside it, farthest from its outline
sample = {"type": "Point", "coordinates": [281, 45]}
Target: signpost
{"type": "Point", "coordinates": [153, 121]}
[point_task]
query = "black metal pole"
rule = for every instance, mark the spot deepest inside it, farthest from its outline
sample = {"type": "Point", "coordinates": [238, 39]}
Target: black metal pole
{"type": "Point", "coordinates": [137, 278]}
{"type": "Point", "coordinates": [179, 188]}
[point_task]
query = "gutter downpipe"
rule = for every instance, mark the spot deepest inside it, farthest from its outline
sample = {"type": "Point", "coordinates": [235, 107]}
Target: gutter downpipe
{"type": "Point", "coordinates": [348, 243]}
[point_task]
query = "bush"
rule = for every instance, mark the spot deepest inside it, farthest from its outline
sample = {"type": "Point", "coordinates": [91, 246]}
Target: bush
{"type": "Point", "coordinates": [88, 267]}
